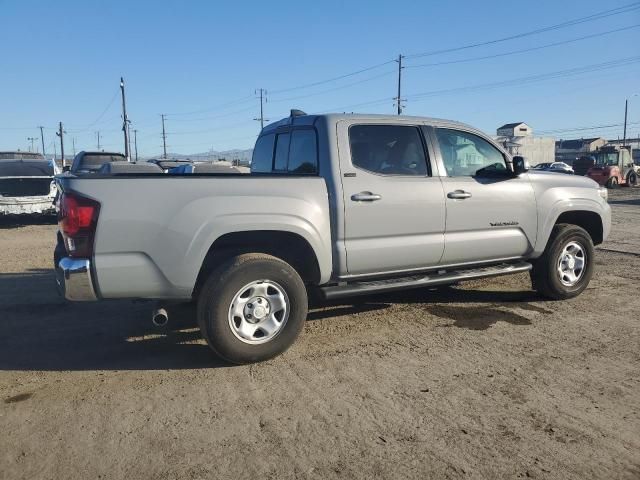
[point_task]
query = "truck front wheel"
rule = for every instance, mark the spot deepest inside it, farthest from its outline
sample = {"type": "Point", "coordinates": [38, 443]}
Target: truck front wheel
{"type": "Point", "coordinates": [252, 308]}
{"type": "Point", "coordinates": [566, 266]}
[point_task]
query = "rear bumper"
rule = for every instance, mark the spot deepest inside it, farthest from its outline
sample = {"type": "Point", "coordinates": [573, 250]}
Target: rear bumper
{"type": "Point", "coordinates": [27, 205]}
{"type": "Point", "coordinates": [73, 276]}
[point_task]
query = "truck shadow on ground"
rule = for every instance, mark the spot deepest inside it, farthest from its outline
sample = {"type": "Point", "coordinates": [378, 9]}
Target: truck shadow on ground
{"type": "Point", "coordinates": [8, 222]}
{"type": "Point", "coordinates": [630, 201]}
{"type": "Point", "coordinates": [473, 317]}
{"type": "Point", "coordinates": [40, 331]}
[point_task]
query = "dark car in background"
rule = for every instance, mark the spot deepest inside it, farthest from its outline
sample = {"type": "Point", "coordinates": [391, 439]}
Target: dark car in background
{"type": "Point", "coordinates": [90, 162]}
{"type": "Point", "coordinates": [27, 184]}
{"type": "Point", "coordinates": [558, 167]}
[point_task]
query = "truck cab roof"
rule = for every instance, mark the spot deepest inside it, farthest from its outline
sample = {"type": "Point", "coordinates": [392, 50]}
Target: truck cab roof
{"type": "Point", "coordinates": [300, 118]}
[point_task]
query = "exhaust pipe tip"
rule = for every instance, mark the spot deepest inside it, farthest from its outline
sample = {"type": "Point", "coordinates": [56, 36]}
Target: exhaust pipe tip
{"type": "Point", "coordinates": [160, 317]}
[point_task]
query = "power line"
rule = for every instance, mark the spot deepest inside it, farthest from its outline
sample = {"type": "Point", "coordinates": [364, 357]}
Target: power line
{"type": "Point", "coordinates": [341, 87]}
{"type": "Point", "coordinates": [589, 18]}
{"type": "Point", "coordinates": [216, 107]}
{"type": "Point", "coordinates": [228, 114]}
{"type": "Point", "coordinates": [531, 78]}
{"type": "Point", "coordinates": [513, 52]}
{"type": "Point", "coordinates": [321, 82]}
{"type": "Point", "coordinates": [517, 81]}
{"type": "Point", "coordinates": [580, 129]}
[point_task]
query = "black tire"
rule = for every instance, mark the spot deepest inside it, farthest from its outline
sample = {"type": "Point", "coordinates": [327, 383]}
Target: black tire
{"type": "Point", "coordinates": [632, 179]}
{"type": "Point", "coordinates": [224, 285]}
{"type": "Point", "coordinates": [612, 183]}
{"type": "Point", "coordinates": [545, 277]}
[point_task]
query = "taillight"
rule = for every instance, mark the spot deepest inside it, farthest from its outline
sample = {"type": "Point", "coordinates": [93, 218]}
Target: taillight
{"type": "Point", "coordinates": [78, 218]}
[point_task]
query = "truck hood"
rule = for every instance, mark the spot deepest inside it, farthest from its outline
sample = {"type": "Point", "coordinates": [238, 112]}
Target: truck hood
{"type": "Point", "coordinates": [553, 179]}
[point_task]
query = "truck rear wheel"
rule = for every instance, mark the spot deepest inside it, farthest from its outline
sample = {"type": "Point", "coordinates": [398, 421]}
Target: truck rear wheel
{"type": "Point", "coordinates": [566, 266]}
{"type": "Point", "coordinates": [632, 179]}
{"type": "Point", "coordinates": [252, 308]}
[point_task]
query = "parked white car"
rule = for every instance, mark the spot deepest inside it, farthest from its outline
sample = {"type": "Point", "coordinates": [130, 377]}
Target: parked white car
{"type": "Point", "coordinates": [27, 185]}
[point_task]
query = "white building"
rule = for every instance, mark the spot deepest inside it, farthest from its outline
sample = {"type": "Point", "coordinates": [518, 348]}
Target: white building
{"type": "Point", "coordinates": [517, 138]}
{"type": "Point", "coordinates": [518, 129]}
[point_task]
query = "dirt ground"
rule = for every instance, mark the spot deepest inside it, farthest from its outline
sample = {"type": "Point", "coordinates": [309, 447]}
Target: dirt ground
{"type": "Point", "coordinates": [483, 380]}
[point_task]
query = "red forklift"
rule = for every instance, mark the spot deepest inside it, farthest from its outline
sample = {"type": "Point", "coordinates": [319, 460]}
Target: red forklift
{"type": "Point", "coordinates": [614, 166]}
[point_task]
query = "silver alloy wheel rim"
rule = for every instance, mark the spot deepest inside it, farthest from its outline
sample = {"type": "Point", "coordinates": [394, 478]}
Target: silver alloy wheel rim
{"type": "Point", "coordinates": [259, 312]}
{"type": "Point", "coordinates": [571, 264]}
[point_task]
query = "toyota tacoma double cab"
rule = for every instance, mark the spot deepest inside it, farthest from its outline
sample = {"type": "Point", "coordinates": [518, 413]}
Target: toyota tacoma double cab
{"type": "Point", "coordinates": [336, 204]}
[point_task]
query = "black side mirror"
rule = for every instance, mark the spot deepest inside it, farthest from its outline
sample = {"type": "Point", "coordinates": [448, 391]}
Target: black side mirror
{"type": "Point", "coordinates": [520, 165]}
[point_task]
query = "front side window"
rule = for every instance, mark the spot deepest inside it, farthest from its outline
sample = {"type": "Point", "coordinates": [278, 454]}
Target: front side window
{"type": "Point", "coordinates": [467, 155]}
{"type": "Point", "coordinates": [388, 149]}
{"type": "Point", "coordinates": [262, 159]}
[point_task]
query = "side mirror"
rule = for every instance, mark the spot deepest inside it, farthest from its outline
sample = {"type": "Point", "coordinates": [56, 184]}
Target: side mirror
{"type": "Point", "coordinates": [520, 165]}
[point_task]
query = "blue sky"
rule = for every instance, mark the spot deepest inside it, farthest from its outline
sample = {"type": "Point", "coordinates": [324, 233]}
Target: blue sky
{"type": "Point", "coordinates": [200, 63]}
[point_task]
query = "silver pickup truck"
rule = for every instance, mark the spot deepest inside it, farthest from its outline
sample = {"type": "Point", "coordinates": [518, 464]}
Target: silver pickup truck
{"type": "Point", "coordinates": [335, 204]}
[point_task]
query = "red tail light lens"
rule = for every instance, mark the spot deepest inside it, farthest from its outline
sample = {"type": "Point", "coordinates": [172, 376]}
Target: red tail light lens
{"type": "Point", "coordinates": [78, 218]}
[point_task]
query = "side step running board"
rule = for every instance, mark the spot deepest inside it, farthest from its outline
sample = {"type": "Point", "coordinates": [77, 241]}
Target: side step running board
{"type": "Point", "coordinates": [441, 277]}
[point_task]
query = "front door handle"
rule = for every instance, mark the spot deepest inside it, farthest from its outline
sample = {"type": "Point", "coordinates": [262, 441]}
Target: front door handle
{"type": "Point", "coordinates": [459, 194]}
{"type": "Point", "coordinates": [365, 197]}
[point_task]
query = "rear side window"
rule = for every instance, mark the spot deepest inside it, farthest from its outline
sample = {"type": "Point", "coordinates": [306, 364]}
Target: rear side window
{"type": "Point", "coordinates": [262, 159]}
{"type": "Point", "coordinates": [282, 152]}
{"type": "Point", "coordinates": [388, 149]}
{"type": "Point", "coordinates": [294, 152]}
{"type": "Point", "coordinates": [303, 154]}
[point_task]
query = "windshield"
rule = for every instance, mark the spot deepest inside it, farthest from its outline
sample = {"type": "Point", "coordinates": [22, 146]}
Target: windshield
{"type": "Point", "coordinates": [607, 159]}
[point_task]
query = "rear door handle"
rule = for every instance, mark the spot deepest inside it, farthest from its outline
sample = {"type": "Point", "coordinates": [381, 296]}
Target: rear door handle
{"type": "Point", "coordinates": [365, 197]}
{"type": "Point", "coordinates": [459, 194]}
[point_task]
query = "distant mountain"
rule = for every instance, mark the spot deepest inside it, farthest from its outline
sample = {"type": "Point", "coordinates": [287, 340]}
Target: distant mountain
{"type": "Point", "coordinates": [242, 156]}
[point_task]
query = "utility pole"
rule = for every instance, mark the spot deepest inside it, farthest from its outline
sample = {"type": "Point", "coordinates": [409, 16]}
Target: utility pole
{"type": "Point", "coordinates": [624, 135]}
{"type": "Point", "coordinates": [73, 142]}
{"type": "Point", "coordinates": [42, 138]}
{"type": "Point", "coordinates": [263, 98]}
{"type": "Point", "coordinates": [135, 141]}
{"type": "Point", "coordinates": [32, 139]}
{"type": "Point", "coordinates": [60, 133]}
{"type": "Point", "coordinates": [399, 97]}
{"type": "Point", "coordinates": [98, 135]}
{"type": "Point", "coordinates": [164, 138]}
{"type": "Point", "coordinates": [125, 122]}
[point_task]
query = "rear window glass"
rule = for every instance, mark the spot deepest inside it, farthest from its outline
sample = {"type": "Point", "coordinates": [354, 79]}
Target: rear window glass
{"type": "Point", "coordinates": [26, 168]}
{"type": "Point", "coordinates": [303, 154]}
{"type": "Point", "coordinates": [262, 159]}
{"type": "Point", "coordinates": [282, 152]}
{"type": "Point", "coordinates": [93, 162]}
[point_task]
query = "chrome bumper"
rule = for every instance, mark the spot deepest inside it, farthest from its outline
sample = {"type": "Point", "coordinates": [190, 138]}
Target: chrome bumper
{"type": "Point", "coordinates": [73, 276]}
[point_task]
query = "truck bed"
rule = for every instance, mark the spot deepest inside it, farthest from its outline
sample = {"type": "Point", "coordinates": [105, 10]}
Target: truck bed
{"type": "Point", "coordinates": [154, 231]}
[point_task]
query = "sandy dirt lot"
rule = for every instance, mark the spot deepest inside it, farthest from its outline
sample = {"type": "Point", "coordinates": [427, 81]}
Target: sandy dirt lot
{"type": "Point", "coordinates": [482, 380]}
